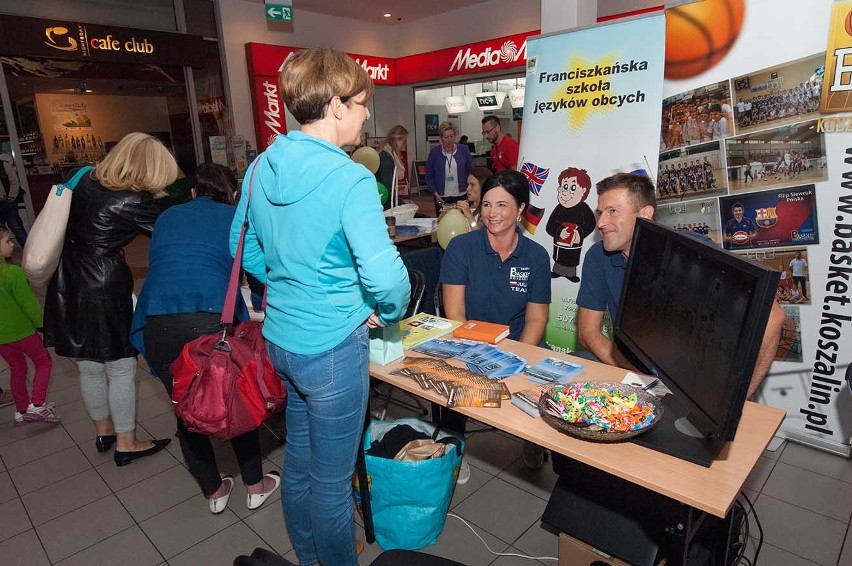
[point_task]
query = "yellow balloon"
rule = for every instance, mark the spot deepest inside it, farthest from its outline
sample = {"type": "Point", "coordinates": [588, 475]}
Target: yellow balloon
{"type": "Point", "coordinates": [368, 157]}
{"type": "Point", "coordinates": [451, 225]}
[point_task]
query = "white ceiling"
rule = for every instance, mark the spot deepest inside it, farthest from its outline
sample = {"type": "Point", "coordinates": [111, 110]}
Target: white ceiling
{"type": "Point", "coordinates": [403, 11]}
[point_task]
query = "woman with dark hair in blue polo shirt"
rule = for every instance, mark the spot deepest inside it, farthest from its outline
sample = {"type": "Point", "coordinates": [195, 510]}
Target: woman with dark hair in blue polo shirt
{"type": "Point", "coordinates": [498, 275]}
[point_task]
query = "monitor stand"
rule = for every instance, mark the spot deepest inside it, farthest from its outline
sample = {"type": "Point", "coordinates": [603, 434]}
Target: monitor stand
{"type": "Point", "coordinates": [675, 436]}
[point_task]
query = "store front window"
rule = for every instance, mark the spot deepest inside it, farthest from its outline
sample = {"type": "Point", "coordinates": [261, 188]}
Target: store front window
{"type": "Point", "coordinates": [70, 113]}
{"type": "Point", "coordinates": [458, 104]}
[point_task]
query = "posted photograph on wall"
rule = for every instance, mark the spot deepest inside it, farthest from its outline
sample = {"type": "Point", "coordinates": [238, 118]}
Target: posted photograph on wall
{"type": "Point", "coordinates": [779, 157]}
{"type": "Point", "coordinates": [695, 171]}
{"type": "Point", "coordinates": [697, 116]}
{"type": "Point", "coordinates": [792, 290]}
{"type": "Point", "coordinates": [780, 95]}
{"type": "Point", "coordinates": [432, 122]}
{"type": "Point", "coordinates": [699, 216]}
{"type": "Point", "coordinates": [773, 218]}
{"type": "Point", "coordinates": [790, 345]}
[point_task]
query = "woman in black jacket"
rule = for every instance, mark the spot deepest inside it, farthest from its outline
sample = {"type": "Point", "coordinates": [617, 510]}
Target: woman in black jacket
{"type": "Point", "coordinates": [88, 306]}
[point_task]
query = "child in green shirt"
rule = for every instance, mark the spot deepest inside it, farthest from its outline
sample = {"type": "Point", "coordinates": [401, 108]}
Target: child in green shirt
{"type": "Point", "coordinates": [22, 315]}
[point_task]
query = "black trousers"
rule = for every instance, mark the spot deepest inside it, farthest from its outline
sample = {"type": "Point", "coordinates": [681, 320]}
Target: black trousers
{"type": "Point", "coordinates": [448, 419]}
{"type": "Point", "coordinates": [165, 336]}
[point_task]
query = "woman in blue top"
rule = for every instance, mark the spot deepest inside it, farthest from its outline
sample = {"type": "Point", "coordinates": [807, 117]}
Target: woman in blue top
{"type": "Point", "coordinates": [447, 168]}
{"type": "Point", "coordinates": [317, 237]}
{"type": "Point", "coordinates": [498, 275]}
{"type": "Point", "coordinates": [188, 271]}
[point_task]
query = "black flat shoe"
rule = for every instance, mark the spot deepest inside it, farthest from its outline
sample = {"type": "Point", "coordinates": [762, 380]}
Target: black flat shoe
{"type": "Point", "coordinates": [104, 443]}
{"type": "Point", "coordinates": [124, 458]}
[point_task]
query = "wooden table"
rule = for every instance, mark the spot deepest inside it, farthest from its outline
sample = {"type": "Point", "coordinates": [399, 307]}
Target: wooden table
{"type": "Point", "coordinates": [711, 490]}
{"type": "Point", "coordinates": [431, 236]}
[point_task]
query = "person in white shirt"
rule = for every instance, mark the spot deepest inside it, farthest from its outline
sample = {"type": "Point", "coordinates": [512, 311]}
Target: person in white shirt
{"type": "Point", "coordinates": [718, 124]}
{"type": "Point", "coordinates": [799, 268]}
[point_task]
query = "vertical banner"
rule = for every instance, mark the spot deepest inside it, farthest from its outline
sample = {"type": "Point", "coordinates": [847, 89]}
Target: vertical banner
{"type": "Point", "coordinates": [785, 156]}
{"type": "Point", "coordinates": [591, 109]}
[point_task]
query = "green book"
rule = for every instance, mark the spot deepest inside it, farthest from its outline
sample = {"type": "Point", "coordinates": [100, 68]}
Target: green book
{"type": "Point", "coordinates": [422, 327]}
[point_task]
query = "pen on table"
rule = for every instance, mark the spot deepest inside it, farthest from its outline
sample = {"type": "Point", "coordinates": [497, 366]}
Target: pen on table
{"type": "Point", "coordinates": [651, 384]}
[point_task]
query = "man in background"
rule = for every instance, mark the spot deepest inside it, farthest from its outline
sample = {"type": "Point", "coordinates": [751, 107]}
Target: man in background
{"type": "Point", "coordinates": [9, 198]}
{"type": "Point", "coordinates": [798, 267]}
{"type": "Point", "coordinates": [504, 153]}
{"type": "Point", "coordinates": [623, 198]}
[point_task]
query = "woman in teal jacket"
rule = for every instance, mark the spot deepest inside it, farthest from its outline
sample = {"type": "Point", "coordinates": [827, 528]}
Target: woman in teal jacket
{"type": "Point", "coordinates": [316, 235]}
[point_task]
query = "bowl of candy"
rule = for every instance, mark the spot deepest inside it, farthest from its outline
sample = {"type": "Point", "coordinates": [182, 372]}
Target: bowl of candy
{"type": "Point", "coordinates": [600, 411]}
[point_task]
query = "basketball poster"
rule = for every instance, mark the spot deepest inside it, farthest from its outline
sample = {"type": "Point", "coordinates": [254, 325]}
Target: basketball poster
{"type": "Point", "coordinates": [788, 163]}
{"type": "Point", "coordinates": [773, 218]}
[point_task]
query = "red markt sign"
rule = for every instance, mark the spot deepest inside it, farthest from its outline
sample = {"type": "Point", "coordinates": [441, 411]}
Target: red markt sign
{"type": "Point", "coordinates": [264, 63]}
{"type": "Point", "coordinates": [265, 59]}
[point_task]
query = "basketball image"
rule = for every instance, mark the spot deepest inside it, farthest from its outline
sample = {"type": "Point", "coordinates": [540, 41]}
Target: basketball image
{"type": "Point", "coordinates": [740, 237]}
{"type": "Point", "coordinates": [700, 34]}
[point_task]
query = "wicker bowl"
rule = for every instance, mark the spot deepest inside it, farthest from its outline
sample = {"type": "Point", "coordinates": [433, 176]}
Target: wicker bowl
{"type": "Point", "coordinates": [597, 434]}
{"type": "Point", "coordinates": [403, 212]}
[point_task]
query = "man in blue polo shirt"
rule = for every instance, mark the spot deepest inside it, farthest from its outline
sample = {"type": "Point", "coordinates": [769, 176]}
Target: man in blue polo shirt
{"type": "Point", "coordinates": [623, 198]}
{"type": "Point", "coordinates": [739, 230]}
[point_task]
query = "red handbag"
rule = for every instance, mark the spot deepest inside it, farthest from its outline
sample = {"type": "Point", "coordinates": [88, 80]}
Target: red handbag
{"type": "Point", "coordinates": [224, 384]}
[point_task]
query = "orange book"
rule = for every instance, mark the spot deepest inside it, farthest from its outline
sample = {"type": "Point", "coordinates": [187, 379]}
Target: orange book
{"type": "Point", "coordinates": [482, 331]}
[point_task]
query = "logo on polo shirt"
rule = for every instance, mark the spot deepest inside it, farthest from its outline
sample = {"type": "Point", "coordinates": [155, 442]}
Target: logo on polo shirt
{"type": "Point", "coordinates": [518, 277]}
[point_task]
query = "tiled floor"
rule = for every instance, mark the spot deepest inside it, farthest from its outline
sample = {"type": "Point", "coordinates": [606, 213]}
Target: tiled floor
{"type": "Point", "coordinates": [63, 503]}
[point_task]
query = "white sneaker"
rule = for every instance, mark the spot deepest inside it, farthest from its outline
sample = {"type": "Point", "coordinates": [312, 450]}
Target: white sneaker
{"type": "Point", "coordinates": [464, 473]}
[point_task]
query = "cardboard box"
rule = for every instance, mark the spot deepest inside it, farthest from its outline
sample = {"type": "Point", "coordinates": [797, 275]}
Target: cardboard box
{"type": "Point", "coordinates": [573, 552]}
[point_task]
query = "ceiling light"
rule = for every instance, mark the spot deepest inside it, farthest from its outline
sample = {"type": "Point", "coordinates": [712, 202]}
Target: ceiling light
{"type": "Point", "coordinates": [388, 15]}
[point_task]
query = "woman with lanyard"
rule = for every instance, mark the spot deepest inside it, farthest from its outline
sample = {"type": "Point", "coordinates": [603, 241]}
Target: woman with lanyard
{"type": "Point", "coordinates": [447, 168]}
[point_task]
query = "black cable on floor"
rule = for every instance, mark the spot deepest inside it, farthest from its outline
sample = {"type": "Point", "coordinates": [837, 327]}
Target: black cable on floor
{"type": "Point", "coordinates": [752, 512]}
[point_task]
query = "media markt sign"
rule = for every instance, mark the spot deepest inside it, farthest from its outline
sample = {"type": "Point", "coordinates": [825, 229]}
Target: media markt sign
{"type": "Point", "coordinates": [278, 12]}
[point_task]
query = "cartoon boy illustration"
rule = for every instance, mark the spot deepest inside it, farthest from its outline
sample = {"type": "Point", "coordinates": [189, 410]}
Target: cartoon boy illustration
{"type": "Point", "coordinates": [570, 222]}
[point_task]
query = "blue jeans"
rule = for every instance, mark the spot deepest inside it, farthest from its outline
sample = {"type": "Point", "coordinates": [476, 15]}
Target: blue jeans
{"type": "Point", "coordinates": [327, 397]}
{"type": "Point", "coordinates": [9, 215]}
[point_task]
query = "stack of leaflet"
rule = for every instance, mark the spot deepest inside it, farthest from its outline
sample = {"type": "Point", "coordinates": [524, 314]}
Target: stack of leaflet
{"type": "Point", "coordinates": [484, 359]}
{"type": "Point", "coordinates": [460, 387]}
{"type": "Point", "coordinates": [445, 347]}
{"type": "Point", "coordinates": [415, 226]}
{"type": "Point", "coordinates": [492, 361]}
{"type": "Point", "coordinates": [554, 370]}
{"type": "Point", "coordinates": [527, 401]}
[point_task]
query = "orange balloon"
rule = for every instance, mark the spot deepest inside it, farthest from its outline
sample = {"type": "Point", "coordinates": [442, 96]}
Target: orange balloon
{"type": "Point", "coordinates": [700, 34]}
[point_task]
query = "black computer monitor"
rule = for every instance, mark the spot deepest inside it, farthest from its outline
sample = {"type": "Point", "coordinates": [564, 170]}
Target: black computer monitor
{"type": "Point", "coordinates": [695, 316]}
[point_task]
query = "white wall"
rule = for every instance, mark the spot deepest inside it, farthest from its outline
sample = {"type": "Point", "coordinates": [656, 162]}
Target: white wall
{"type": "Point", "coordinates": [479, 22]}
{"type": "Point", "coordinates": [243, 22]}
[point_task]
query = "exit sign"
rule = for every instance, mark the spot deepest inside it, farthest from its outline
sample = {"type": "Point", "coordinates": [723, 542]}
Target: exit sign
{"type": "Point", "coordinates": [278, 12]}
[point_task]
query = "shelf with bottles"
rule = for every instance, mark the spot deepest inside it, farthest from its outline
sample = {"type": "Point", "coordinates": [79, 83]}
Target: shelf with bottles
{"type": "Point", "coordinates": [30, 137]}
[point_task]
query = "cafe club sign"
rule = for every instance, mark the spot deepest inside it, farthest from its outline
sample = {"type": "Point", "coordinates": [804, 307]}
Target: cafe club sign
{"type": "Point", "coordinates": [264, 62]}
{"type": "Point", "coordinates": [79, 41]}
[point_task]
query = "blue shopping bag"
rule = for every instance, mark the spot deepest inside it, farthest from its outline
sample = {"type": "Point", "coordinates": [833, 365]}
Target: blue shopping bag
{"type": "Point", "coordinates": [410, 500]}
